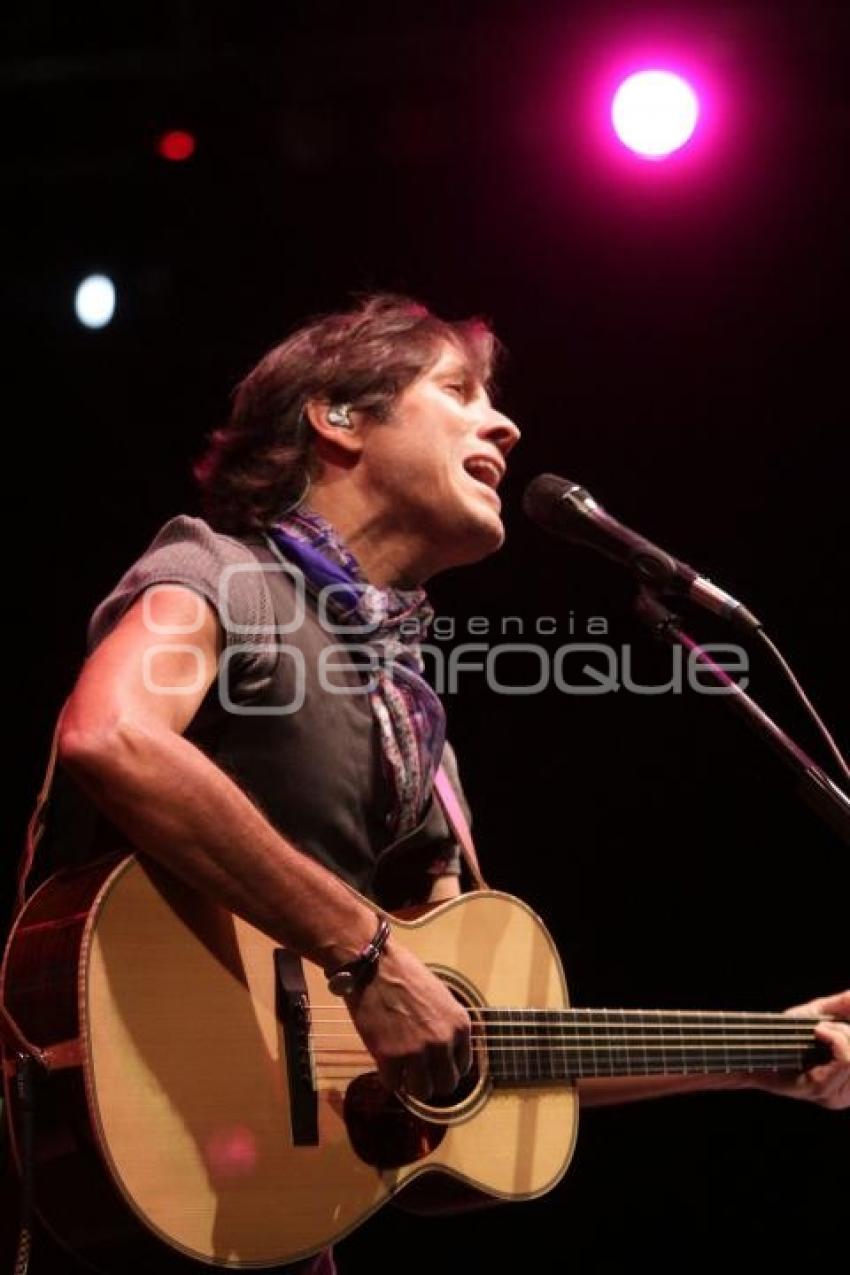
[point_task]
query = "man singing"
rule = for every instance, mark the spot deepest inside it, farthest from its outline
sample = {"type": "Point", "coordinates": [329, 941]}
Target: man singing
{"type": "Point", "coordinates": [362, 456]}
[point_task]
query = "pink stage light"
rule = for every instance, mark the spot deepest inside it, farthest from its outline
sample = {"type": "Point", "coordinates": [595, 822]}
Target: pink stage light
{"type": "Point", "coordinates": [654, 113]}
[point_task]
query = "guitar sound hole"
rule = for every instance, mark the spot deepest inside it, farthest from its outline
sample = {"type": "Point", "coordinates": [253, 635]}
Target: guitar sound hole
{"type": "Point", "coordinates": [467, 1085]}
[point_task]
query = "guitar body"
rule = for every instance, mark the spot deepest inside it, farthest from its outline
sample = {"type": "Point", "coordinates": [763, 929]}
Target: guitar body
{"type": "Point", "coordinates": [176, 1113]}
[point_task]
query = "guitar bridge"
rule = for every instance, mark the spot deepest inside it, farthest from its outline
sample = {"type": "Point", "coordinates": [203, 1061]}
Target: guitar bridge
{"type": "Point", "coordinates": [293, 1012]}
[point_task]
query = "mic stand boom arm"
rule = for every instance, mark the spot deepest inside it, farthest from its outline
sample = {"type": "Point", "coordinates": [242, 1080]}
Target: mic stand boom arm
{"type": "Point", "coordinates": [814, 785]}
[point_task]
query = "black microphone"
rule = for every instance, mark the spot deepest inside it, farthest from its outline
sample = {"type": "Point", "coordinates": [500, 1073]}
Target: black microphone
{"type": "Point", "coordinates": [568, 511]}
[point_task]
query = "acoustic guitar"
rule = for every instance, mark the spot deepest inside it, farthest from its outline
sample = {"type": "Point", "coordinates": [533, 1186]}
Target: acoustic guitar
{"type": "Point", "coordinates": [205, 1098]}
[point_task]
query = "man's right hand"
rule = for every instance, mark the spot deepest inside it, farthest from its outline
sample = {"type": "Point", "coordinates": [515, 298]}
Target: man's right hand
{"type": "Point", "coordinates": [416, 1031]}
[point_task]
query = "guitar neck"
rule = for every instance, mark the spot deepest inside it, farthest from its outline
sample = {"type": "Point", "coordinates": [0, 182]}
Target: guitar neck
{"type": "Point", "coordinates": [561, 1045]}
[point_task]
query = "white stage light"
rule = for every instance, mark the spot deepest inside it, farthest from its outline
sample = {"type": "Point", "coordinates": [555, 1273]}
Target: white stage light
{"type": "Point", "coordinates": [94, 301]}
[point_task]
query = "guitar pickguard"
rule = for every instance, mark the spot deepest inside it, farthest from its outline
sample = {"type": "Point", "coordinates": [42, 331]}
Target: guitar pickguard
{"type": "Point", "coordinates": [383, 1133]}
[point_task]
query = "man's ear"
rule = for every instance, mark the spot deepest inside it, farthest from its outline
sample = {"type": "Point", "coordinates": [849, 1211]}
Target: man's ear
{"type": "Point", "coordinates": [337, 423]}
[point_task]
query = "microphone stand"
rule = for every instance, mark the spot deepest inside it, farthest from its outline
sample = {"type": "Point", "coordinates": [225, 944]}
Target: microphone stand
{"type": "Point", "coordinates": [813, 784]}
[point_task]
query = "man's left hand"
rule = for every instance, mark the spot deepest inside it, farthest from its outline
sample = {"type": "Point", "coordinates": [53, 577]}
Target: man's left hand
{"type": "Point", "coordinates": [827, 1084]}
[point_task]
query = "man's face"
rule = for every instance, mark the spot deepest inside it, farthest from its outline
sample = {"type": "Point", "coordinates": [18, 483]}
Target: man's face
{"type": "Point", "coordinates": [433, 467]}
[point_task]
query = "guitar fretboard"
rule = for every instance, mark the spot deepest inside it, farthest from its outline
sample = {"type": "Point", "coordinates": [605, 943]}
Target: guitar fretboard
{"type": "Point", "coordinates": [541, 1045]}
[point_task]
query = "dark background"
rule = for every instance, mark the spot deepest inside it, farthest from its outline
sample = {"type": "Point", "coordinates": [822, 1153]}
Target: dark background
{"type": "Point", "coordinates": [677, 342]}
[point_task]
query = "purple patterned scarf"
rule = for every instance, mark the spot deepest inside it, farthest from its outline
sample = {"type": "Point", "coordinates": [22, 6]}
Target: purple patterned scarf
{"type": "Point", "coordinates": [390, 622]}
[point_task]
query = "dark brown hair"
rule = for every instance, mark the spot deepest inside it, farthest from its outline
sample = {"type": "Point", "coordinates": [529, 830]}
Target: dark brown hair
{"type": "Point", "coordinates": [259, 463]}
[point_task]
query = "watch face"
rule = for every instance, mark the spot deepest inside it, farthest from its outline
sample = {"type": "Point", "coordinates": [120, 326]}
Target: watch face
{"type": "Point", "coordinates": [361, 970]}
{"type": "Point", "coordinates": [341, 983]}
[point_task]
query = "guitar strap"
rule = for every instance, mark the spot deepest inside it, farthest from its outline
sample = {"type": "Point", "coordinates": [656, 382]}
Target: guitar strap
{"type": "Point", "coordinates": [11, 1035]}
{"type": "Point", "coordinates": [459, 825]}
{"type": "Point", "coordinates": [36, 825]}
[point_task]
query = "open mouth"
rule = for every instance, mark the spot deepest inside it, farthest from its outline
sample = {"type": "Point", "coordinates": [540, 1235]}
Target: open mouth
{"type": "Point", "coordinates": [483, 471]}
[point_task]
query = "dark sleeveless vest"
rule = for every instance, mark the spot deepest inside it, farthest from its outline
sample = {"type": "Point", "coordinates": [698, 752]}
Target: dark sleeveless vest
{"type": "Point", "coordinates": [307, 754]}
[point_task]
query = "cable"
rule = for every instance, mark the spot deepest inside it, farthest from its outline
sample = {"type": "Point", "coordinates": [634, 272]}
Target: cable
{"type": "Point", "coordinates": [807, 703]}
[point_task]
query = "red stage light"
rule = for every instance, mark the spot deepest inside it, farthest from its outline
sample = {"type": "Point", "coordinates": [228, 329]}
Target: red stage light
{"type": "Point", "coordinates": [176, 145]}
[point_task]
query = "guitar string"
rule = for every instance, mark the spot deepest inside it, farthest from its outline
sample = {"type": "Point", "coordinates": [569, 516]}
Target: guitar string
{"type": "Point", "coordinates": [620, 1042]}
{"type": "Point", "coordinates": [768, 1035]}
{"type": "Point", "coordinates": [632, 1041]}
{"type": "Point", "coordinates": [696, 1051]}
{"type": "Point", "coordinates": [748, 1053]}
{"type": "Point", "coordinates": [754, 1062]}
{"type": "Point", "coordinates": [674, 1015]}
{"type": "Point", "coordinates": [649, 1031]}
{"type": "Point", "coordinates": [350, 1068]}
{"type": "Point", "coordinates": [508, 1027]}
{"type": "Point", "coordinates": [669, 1024]}
{"type": "Point", "coordinates": [676, 1048]}
{"type": "Point", "coordinates": [562, 1039]}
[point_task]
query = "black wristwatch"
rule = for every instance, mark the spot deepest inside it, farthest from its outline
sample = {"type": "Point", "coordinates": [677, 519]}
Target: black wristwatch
{"type": "Point", "coordinates": [356, 973]}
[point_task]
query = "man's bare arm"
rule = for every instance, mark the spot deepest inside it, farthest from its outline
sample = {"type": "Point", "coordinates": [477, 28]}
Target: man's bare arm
{"type": "Point", "coordinates": [121, 739]}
